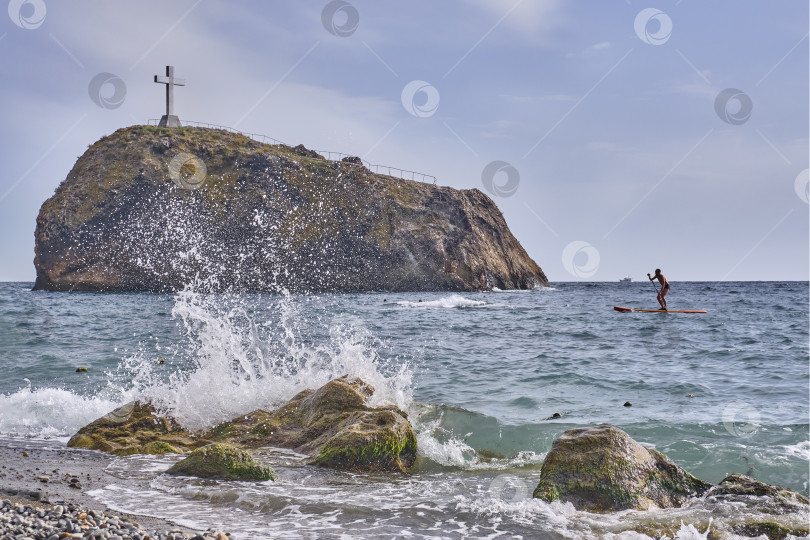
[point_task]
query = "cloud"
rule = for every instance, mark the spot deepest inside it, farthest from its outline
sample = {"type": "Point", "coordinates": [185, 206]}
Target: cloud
{"type": "Point", "coordinates": [700, 89]}
{"type": "Point", "coordinates": [534, 99]}
{"type": "Point", "coordinates": [529, 17]}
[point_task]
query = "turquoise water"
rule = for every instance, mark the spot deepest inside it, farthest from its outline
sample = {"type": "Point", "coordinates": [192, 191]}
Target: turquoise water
{"type": "Point", "coordinates": [478, 371]}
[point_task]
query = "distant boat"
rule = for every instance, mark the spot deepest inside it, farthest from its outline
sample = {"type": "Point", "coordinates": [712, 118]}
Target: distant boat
{"type": "Point", "coordinates": [626, 279]}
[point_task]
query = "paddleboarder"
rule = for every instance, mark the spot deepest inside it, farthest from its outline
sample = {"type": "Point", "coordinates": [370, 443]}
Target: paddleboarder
{"type": "Point", "coordinates": [664, 287]}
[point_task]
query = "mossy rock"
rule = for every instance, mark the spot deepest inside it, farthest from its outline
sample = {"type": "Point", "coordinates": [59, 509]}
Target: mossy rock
{"type": "Point", "coordinates": [375, 441]}
{"type": "Point", "coordinates": [135, 428]}
{"type": "Point", "coordinates": [602, 469]}
{"type": "Point", "coordinates": [155, 447]}
{"type": "Point", "coordinates": [332, 424]}
{"type": "Point", "coordinates": [773, 531]}
{"type": "Point", "coordinates": [740, 484]}
{"type": "Point", "coordinates": [775, 499]}
{"type": "Point", "coordinates": [222, 462]}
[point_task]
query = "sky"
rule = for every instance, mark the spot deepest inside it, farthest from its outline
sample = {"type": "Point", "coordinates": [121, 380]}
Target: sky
{"type": "Point", "coordinates": [616, 136]}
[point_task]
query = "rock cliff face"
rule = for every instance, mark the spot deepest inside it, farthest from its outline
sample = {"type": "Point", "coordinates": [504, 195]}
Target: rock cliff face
{"type": "Point", "coordinates": [155, 209]}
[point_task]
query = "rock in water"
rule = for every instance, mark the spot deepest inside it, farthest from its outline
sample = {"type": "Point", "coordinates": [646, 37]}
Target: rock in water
{"type": "Point", "coordinates": [752, 496]}
{"type": "Point", "coordinates": [222, 462]}
{"type": "Point", "coordinates": [602, 469]}
{"type": "Point", "coordinates": [738, 486]}
{"type": "Point", "coordinates": [135, 428]}
{"type": "Point", "coordinates": [334, 426]}
{"type": "Point", "coordinates": [154, 209]}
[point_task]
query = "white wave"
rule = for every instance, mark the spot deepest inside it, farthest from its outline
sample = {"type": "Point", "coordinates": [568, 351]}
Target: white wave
{"type": "Point", "coordinates": [510, 496]}
{"type": "Point", "coordinates": [237, 355]}
{"type": "Point", "coordinates": [801, 450]}
{"type": "Point", "coordinates": [452, 301]}
{"type": "Point", "coordinates": [49, 412]}
{"type": "Point", "coordinates": [556, 516]}
{"type": "Point", "coordinates": [690, 532]}
{"type": "Point", "coordinates": [443, 447]}
{"type": "Point", "coordinates": [241, 362]}
{"type": "Point", "coordinates": [538, 288]}
{"type": "Point", "coordinates": [452, 452]}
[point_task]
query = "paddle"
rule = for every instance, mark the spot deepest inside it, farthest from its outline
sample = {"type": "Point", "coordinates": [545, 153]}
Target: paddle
{"type": "Point", "coordinates": [654, 285]}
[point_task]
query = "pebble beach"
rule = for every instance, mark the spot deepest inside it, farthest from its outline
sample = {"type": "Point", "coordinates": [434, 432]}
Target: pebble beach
{"type": "Point", "coordinates": [43, 488]}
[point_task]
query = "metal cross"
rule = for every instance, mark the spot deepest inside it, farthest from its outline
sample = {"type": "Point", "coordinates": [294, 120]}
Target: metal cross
{"type": "Point", "coordinates": [170, 83]}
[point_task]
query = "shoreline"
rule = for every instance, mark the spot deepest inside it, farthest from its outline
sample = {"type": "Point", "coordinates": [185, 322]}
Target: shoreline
{"type": "Point", "coordinates": [28, 462]}
{"type": "Point", "coordinates": [21, 484]}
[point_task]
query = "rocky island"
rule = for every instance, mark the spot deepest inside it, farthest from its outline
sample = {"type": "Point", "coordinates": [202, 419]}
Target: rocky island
{"type": "Point", "coordinates": [155, 209]}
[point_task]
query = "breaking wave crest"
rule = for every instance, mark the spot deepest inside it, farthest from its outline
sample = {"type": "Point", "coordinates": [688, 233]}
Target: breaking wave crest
{"type": "Point", "coordinates": [49, 412]}
{"type": "Point", "coordinates": [452, 301]}
{"type": "Point", "coordinates": [246, 352]}
{"type": "Point", "coordinates": [235, 353]}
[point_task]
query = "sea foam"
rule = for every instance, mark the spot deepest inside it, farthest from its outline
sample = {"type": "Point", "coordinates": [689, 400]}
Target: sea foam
{"type": "Point", "coordinates": [49, 412]}
{"type": "Point", "coordinates": [452, 301]}
{"type": "Point", "coordinates": [244, 352]}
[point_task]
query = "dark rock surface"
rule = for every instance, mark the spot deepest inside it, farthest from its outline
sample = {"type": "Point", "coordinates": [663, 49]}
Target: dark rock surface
{"type": "Point", "coordinates": [154, 209]}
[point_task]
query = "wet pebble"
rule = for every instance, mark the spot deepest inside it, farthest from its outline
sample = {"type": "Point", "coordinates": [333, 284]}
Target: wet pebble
{"type": "Point", "coordinates": [69, 521]}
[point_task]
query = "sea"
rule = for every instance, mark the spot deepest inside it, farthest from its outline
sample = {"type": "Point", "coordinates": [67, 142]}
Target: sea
{"type": "Point", "coordinates": [489, 381]}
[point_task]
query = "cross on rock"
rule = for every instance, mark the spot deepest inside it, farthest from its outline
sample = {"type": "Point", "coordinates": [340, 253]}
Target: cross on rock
{"type": "Point", "coordinates": [169, 119]}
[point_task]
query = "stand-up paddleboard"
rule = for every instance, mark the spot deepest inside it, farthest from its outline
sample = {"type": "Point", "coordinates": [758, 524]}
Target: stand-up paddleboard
{"type": "Point", "coordinates": [625, 309]}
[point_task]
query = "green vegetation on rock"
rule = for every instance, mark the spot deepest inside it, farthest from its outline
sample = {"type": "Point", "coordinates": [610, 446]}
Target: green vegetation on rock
{"type": "Point", "coordinates": [772, 531]}
{"type": "Point", "coordinates": [332, 424]}
{"type": "Point", "coordinates": [135, 428]}
{"type": "Point", "coordinates": [740, 488]}
{"type": "Point", "coordinates": [223, 462]}
{"type": "Point", "coordinates": [603, 469]}
{"type": "Point", "coordinates": [363, 445]}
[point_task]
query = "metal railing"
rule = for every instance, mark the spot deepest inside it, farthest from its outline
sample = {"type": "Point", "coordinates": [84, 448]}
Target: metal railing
{"type": "Point", "coordinates": [327, 154]}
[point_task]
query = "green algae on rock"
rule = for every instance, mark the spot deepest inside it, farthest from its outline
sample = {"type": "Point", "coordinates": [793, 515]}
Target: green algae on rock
{"type": "Point", "coordinates": [263, 217]}
{"type": "Point", "coordinates": [740, 484]}
{"type": "Point", "coordinates": [602, 469]}
{"type": "Point", "coordinates": [333, 425]}
{"type": "Point", "coordinates": [771, 530]}
{"type": "Point", "coordinates": [135, 428]}
{"type": "Point", "coordinates": [371, 441]}
{"type": "Point", "coordinates": [222, 462]}
{"type": "Point", "coordinates": [739, 487]}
